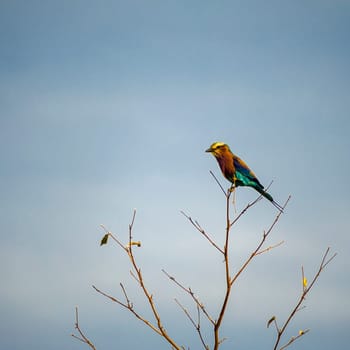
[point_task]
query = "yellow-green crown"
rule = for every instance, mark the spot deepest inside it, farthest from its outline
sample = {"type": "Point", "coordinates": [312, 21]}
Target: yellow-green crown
{"type": "Point", "coordinates": [216, 146]}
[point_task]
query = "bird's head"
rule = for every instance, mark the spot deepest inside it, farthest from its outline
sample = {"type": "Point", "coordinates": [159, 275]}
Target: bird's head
{"type": "Point", "coordinates": [217, 149]}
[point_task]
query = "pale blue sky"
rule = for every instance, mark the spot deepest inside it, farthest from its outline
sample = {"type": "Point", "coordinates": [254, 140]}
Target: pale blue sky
{"type": "Point", "coordinates": [106, 106]}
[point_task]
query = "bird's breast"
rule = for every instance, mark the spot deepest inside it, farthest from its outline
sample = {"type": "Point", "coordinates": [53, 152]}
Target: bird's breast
{"type": "Point", "coordinates": [227, 167]}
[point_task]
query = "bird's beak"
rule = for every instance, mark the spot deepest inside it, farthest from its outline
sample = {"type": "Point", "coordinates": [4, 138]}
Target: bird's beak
{"type": "Point", "coordinates": [209, 150]}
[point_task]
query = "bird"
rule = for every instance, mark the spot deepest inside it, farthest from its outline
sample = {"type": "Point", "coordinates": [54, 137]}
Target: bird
{"type": "Point", "coordinates": [237, 171]}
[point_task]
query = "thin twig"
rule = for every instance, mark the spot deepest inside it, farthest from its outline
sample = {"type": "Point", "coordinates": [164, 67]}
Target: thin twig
{"type": "Point", "coordinates": [130, 307]}
{"type": "Point", "coordinates": [217, 340]}
{"type": "Point", "coordinates": [202, 231]}
{"type": "Point", "coordinates": [305, 290]}
{"type": "Point", "coordinates": [261, 243]}
{"type": "Point", "coordinates": [113, 237]}
{"type": "Point", "coordinates": [186, 313]}
{"type": "Point", "coordinates": [129, 304]}
{"type": "Point", "coordinates": [195, 325]}
{"type": "Point", "coordinates": [218, 182]}
{"type": "Point", "coordinates": [130, 228]}
{"type": "Point", "coordinates": [245, 210]}
{"type": "Point", "coordinates": [292, 339]}
{"type": "Point", "coordinates": [269, 248]}
{"type": "Point", "coordinates": [193, 296]}
{"type": "Point", "coordinates": [253, 203]}
{"type": "Point", "coordinates": [230, 281]}
{"type": "Point", "coordinates": [149, 297]}
{"type": "Point", "coordinates": [82, 337]}
{"type": "Point", "coordinates": [303, 279]}
{"type": "Point", "coordinates": [137, 274]}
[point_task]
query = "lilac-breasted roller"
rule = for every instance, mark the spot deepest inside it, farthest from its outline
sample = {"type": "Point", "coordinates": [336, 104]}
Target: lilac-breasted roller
{"type": "Point", "coordinates": [237, 171]}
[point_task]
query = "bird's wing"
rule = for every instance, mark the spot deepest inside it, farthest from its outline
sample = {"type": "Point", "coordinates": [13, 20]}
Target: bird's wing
{"type": "Point", "coordinates": [243, 169]}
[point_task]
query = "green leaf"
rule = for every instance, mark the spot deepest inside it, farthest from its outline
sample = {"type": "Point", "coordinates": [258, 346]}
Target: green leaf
{"type": "Point", "coordinates": [104, 240]}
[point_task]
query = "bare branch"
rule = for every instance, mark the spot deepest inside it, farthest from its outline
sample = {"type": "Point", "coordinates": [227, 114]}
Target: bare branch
{"type": "Point", "coordinates": [113, 237]}
{"type": "Point", "coordinates": [222, 311]}
{"type": "Point", "coordinates": [201, 230]}
{"type": "Point", "coordinates": [195, 325]}
{"type": "Point", "coordinates": [230, 280]}
{"type": "Point", "coordinates": [245, 210]}
{"type": "Point", "coordinates": [252, 204]}
{"type": "Point", "coordinates": [269, 248]}
{"type": "Point", "coordinates": [137, 274]}
{"type": "Point", "coordinates": [134, 276]}
{"type": "Point", "coordinates": [293, 339]}
{"type": "Point", "coordinates": [218, 182]}
{"type": "Point", "coordinates": [305, 290]}
{"type": "Point", "coordinates": [193, 296]}
{"type": "Point", "coordinates": [303, 279]}
{"type": "Point", "coordinates": [130, 229]}
{"type": "Point", "coordinates": [257, 250]}
{"type": "Point", "coordinates": [155, 322]}
{"type": "Point", "coordinates": [325, 262]}
{"type": "Point", "coordinates": [82, 336]}
{"type": "Point", "coordinates": [186, 313]}
{"type": "Point", "coordinates": [130, 307]}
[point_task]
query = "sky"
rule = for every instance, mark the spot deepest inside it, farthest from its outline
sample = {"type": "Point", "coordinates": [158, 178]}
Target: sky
{"type": "Point", "coordinates": [108, 106]}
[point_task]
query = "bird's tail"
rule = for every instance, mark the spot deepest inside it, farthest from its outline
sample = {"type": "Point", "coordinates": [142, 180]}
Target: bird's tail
{"type": "Point", "coordinates": [269, 197]}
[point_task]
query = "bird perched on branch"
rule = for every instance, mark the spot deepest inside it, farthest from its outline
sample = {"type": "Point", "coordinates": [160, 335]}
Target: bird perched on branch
{"type": "Point", "coordinates": [237, 171]}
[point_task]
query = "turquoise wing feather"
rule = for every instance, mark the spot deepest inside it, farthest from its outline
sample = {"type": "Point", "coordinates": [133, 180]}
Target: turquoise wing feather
{"type": "Point", "coordinates": [245, 176]}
